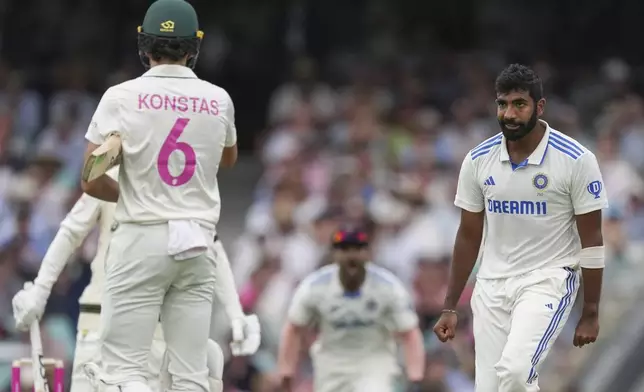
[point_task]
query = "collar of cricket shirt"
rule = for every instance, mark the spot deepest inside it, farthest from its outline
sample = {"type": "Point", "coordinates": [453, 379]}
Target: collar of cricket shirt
{"type": "Point", "coordinates": [539, 153]}
{"type": "Point", "coordinates": [170, 71]}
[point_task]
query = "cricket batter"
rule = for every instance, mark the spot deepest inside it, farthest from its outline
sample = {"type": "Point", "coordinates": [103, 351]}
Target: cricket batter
{"type": "Point", "coordinates": [360, 309]}
{"type": "Point", "coordinates": [176, 131]}
{"type": "Point", "coordinates": [541, 194]}
{"type": "Point", "coordinates": [29, 304]}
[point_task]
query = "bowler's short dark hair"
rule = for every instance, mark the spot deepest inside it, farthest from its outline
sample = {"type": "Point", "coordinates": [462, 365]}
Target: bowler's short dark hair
{"type": "Point", "coordinates": [517, 77]}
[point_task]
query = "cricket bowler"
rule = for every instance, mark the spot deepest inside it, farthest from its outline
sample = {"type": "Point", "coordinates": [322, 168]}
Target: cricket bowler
{"type": "Point", "coordinates": [541, 194]}
{"type": "Point", "coordinates": [360, 310]}
{"type": "Point", "coordinates": [176, 130]}
{"type": "Point", "coordinates": [85, 215]}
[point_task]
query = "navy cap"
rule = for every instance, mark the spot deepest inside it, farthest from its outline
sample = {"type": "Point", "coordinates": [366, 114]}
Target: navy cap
{"type": "Point", "coordinates": [350, 236]}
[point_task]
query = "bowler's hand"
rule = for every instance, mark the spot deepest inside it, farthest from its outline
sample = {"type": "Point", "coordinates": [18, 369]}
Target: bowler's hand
{"type": "Point", "coordinates": [587, 330]}
{"type": "Point", "coordinates": [445, 328]}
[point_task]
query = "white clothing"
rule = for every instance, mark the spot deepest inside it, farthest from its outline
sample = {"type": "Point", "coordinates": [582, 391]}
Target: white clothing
{"type": "Point", "coordinates": [530, 210]}
{"type": "Point", "coordinates": [355, 329]}
{"type": "Point", "coordinates": [88, 350]}
{"type": "Point", "coordinates": [369, 380]}
{"type": "Point", "coordinates": [528, 276]}
{"type": "Point", "coordinates": [174, 127]}
{"type": "Point", "coordinates": [142, 282]}
{"type": "Point", "coordinates": [79, 222]}
{"type": "Point", "coordinates": [516, 321]}
{"type": "Point", "coordinates": [85, 215]}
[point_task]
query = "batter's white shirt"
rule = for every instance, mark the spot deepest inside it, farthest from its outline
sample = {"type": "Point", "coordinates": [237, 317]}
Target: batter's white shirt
{"type": "Point", "coordinates": [174, 127]}
{"type": "Point", "coordinates": [355, 330]}
{"type": "Point", "coordinates": [93, 293]}
{"type": "Point", "coordinates": [530, 209]}
{"type": "Point", "coordinates": [85, 215]}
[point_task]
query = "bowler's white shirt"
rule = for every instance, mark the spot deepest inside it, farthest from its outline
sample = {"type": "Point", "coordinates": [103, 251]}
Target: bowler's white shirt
{"type": "Point", "coordinates": [354, 329]}
{"type": "Point", "coordinates": [174, 127]}
{"type": "Point", "coordinates": [530, 210]}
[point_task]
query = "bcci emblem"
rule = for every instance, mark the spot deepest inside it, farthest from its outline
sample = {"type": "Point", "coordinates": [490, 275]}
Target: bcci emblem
{"type": "Point", "coordinates": [540, 181]}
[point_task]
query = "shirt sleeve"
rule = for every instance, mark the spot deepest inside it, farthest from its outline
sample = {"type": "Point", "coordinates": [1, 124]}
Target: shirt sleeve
{"type": "Point", "coordinates": [469, 195]}
{"type": "Point", "coordinates": [105, 119]}
{"type": "Point", "coordinates": [231, 130]}
{"type": "Point", "coordinates": [302, 310]}
{"type": "Point", "coordinates": [403, 314]}
{"type": "Point", "coordinates": [73, 230]}
{"type": "Point", "coordinates": [587, 190]}
{"type": "Point", "coordinates": [83, 216]}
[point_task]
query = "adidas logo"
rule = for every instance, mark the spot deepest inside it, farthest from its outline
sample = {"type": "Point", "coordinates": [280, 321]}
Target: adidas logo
{"type": "Point", "coordinates": [549, 306]}
{"type": "Point", "coordinates": [489, 181]}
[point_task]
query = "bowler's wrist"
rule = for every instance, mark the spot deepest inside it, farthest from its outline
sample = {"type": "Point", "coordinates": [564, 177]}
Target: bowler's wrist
{"type": "Point", "coordinates": [590, 309]}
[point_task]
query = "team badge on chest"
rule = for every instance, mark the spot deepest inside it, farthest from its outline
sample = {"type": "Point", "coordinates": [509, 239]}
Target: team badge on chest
{"type": "Point", "coordinates": [540, 181]}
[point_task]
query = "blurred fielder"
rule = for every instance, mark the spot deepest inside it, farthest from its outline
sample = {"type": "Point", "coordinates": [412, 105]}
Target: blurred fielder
{"type": "Point", "coordinates": [175, 131]}
{"type": "Point", "coordinates": [29, 304]}
{"type": "Point", "coordinates": [541, 194]}
{"type": "Point", "coordinates": [360, 309]}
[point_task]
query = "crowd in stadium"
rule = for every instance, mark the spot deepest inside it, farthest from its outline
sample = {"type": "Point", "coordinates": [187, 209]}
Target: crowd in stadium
{"type": "Point", "coordinates": [379, 151]}
{"type": "Point", "coordinates": [371, 143]}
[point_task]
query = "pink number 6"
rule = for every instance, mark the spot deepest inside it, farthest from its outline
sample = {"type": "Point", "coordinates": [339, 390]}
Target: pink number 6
{"type": "Point", "coordinates": [169, 146]}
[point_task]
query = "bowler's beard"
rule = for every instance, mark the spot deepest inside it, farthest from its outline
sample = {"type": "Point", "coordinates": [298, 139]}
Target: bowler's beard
{"type": "Point", "coordinates": [352, 275]}
{"type": "Point", "coordinates": [523, 129]}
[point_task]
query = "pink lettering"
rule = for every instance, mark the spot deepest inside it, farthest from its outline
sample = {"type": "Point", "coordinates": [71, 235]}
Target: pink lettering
{"type": "Point", "coordinates": [194, 103]}
{"type": "Point", "coordinates": [204, 107]}
{"type": "Point", "coordinates": [179, 103]}
{"type": "Point", "coordinates": [143, 101]}
{"type": "Point", "coordinates": [159, 101]}
{"type": "Point", "coordinates": [182, 104]}
{"type": "Point", "coordinates": [170, 103]}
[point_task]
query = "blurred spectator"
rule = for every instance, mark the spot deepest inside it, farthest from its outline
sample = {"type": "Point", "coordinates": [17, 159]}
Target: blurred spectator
{"type": "Point", "coordinates": [369, 127]}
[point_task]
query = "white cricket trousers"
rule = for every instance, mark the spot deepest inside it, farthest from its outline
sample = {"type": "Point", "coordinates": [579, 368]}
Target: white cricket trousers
{"type": "Point", "coordinates": [88, 349]}
{"type": "Point", "coordinates": [516, 320]}
{"type": "Point", "coordinates": [363, 382]}
{"type": "Point", "coordinates": [144, 283]}
{"type": "Point", "coordinates": [370, 374]}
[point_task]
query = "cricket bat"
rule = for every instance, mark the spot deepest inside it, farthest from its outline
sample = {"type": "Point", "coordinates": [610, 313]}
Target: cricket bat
{"type": "Point", "coordinates": [105, 157]}
{"type": "Point", "coordinates": [37, 359]}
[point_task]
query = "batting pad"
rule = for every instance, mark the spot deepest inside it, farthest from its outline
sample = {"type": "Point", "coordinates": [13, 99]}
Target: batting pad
{"type": "Point", "coordinates": [105, 157]}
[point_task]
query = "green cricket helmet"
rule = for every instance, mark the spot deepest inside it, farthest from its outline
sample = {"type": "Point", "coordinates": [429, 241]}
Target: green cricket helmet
{"type": "Point", "coordinates": [170, 30]}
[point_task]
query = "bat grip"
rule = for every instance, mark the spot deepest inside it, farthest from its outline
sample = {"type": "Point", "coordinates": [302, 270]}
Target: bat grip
{"type": "Point", "coordinates": [37, 365]}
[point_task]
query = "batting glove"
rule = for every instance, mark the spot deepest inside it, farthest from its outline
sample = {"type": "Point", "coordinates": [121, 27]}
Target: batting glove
{"type": "Point", "coordinates": [29, 305]}
{"type": "Point", "coordinates": [246, 336]}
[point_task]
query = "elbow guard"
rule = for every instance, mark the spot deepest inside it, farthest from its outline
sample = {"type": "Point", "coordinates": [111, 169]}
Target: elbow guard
{"type": "Point", "coordinates": [592, 258]}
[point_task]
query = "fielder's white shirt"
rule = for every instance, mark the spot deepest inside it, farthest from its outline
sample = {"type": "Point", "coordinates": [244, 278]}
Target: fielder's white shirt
{"type": "Point", "coordinates": [530, 209]}
{"type": "Point", "coordinates": [354, 329]}
{"type": "Point", "coordinates": [174, 127]}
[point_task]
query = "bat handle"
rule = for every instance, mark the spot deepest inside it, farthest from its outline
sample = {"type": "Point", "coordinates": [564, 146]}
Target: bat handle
{"type": "Point", "coordinates": [38, 367]}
